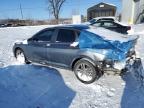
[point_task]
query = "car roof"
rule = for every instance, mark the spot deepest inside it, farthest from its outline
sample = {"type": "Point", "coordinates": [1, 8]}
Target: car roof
{"type": "Point", "coordinates": [117, 22]}
{"type": "Point", "coordinates": [77, 27]}
{"type": "Point", "coordinates": [110, 17]}
{"type": "Point", "coordinates": [123, 24]}
{"type": "Point", "coordinates": [102, 19]}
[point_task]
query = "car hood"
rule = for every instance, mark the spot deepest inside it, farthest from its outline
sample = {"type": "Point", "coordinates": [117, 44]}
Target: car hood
{"type": "Point", "coordinates": [25, 41]}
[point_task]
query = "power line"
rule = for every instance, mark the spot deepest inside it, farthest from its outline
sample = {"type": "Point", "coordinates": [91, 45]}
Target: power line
{"type": "Point", "coordinates": [15, 9]}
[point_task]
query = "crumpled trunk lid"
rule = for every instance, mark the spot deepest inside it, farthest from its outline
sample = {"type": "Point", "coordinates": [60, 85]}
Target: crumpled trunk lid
{"type": "Point", "coordinates": [125, 46]}
{"type": "Point", "coordinates": [114, 44]}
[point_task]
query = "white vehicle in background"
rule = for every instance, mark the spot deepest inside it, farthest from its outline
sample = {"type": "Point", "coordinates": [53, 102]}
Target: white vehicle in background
{"type": "Point", "coordinates": [111, 23]}
{"type": "Point", "coordinates": [101, 18]}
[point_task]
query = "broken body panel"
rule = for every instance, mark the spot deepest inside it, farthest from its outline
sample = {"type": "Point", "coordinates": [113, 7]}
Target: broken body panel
{"type": "Point", "coordinates": [111, 47]}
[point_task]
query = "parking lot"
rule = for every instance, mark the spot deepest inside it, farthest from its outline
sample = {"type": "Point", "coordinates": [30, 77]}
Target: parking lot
{"type": "Point", "coordinates": [33, 86]}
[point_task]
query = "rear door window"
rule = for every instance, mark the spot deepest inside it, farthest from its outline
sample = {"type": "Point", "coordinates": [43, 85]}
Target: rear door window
{"type": "Point", "coordinates": [66, 36]}
{"type": "Point", "coordinates": [109, 24]}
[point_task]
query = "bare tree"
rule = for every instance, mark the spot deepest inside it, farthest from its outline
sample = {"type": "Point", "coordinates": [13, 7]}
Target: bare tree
{"type": "Point", "coordinates": [54, 7]}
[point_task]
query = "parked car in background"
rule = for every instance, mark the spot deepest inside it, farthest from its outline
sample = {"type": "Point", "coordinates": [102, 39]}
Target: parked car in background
{"type": "Point", "coordinates": [112, 24]}
{"type": "Point", "coordinates": [2, 25]}
{"type": "Point", "coordinates": [6, 25]}
{"type": "Point", "coordinates": [101, 19]}
{"type": "Point", "coordinates": [88, 52]}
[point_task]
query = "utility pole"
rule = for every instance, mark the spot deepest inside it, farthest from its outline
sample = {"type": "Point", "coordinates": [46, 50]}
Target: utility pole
{"type": "Point", "coordinates": [21, 11]}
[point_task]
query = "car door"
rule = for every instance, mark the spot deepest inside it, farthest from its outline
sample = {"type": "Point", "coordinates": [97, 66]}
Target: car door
{"type": "Point", "coordinates": [39, 44]}
{"type": "Point", "coordinates": [65, 47]}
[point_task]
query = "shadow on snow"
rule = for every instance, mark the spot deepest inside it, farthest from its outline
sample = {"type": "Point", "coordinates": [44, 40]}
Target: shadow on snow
{"type": "Point", "coordinates": [29, 86]}
{"type": "Point", "coordinates": [133, 94]}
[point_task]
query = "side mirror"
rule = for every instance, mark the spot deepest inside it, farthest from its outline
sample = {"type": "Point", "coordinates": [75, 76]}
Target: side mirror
{"type": "Point", "coordinates": [30, 39]}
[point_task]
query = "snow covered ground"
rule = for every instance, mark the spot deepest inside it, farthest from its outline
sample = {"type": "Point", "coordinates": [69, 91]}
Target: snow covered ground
{"type": "Point", "coordinates": [32, 86]}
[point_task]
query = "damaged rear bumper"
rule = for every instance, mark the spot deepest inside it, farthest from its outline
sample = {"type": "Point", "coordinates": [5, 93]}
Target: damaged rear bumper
{"type": "Point", "coordinates": [126, 64]}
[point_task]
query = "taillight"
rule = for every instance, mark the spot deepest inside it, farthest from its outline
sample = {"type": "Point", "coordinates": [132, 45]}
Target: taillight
{"type": "Point", "coordinates": [129, 27]}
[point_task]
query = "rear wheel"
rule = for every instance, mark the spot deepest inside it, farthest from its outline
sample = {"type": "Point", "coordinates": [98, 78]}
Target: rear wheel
{"type": "Point", "coordinates": [86, 72]}
{"type": "Point", "coordinates": [20, 56]}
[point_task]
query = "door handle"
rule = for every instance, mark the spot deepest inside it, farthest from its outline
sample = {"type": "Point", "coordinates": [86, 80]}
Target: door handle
{"type": "Point", "coordinates": [48, 44]}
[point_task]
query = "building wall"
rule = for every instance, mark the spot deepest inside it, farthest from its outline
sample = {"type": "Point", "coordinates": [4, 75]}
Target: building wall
{"type": "Point", "coordinates": [137, 11]}
{"type": "Point", "coordinates": [131, 11]}
{"type": "Point", "coordinates": [101, 10]}
{"type": "Point", "coordinates": [142, 4]}
{"type": "Point", "coordinates": [142, 9]}
{"type": "Point", "coordinates": [127, 11]}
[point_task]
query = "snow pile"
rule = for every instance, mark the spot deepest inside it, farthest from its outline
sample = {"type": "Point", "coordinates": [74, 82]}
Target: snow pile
{"type": "Point", "coordinates": [138, 29]}
{"type": "Point", "coordinates": [9, 35]}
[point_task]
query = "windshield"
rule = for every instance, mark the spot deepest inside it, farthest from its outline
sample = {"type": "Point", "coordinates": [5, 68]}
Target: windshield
{"type": "Point", "coordinates": [92, 21]}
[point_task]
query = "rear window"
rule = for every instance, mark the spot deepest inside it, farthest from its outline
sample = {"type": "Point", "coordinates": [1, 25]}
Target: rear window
{"type": "Point", "coordinates": [106, 19]}
{"type": "Point", "coordinates": [109, 24]}
{"type": "Point", "coordinates": [91, 40]}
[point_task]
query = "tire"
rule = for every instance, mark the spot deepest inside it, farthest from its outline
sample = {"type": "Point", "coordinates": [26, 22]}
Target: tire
{"type": "Point", "coordinates": [20, 56]}
{"type": "Point", "coordinates": [85, 71]}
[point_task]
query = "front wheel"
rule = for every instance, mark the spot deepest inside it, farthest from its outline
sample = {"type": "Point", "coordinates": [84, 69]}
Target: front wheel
{"type": "Point", "coordinates": [86, 72]}
{"type": "Point", "coordinates": [20, 56]}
